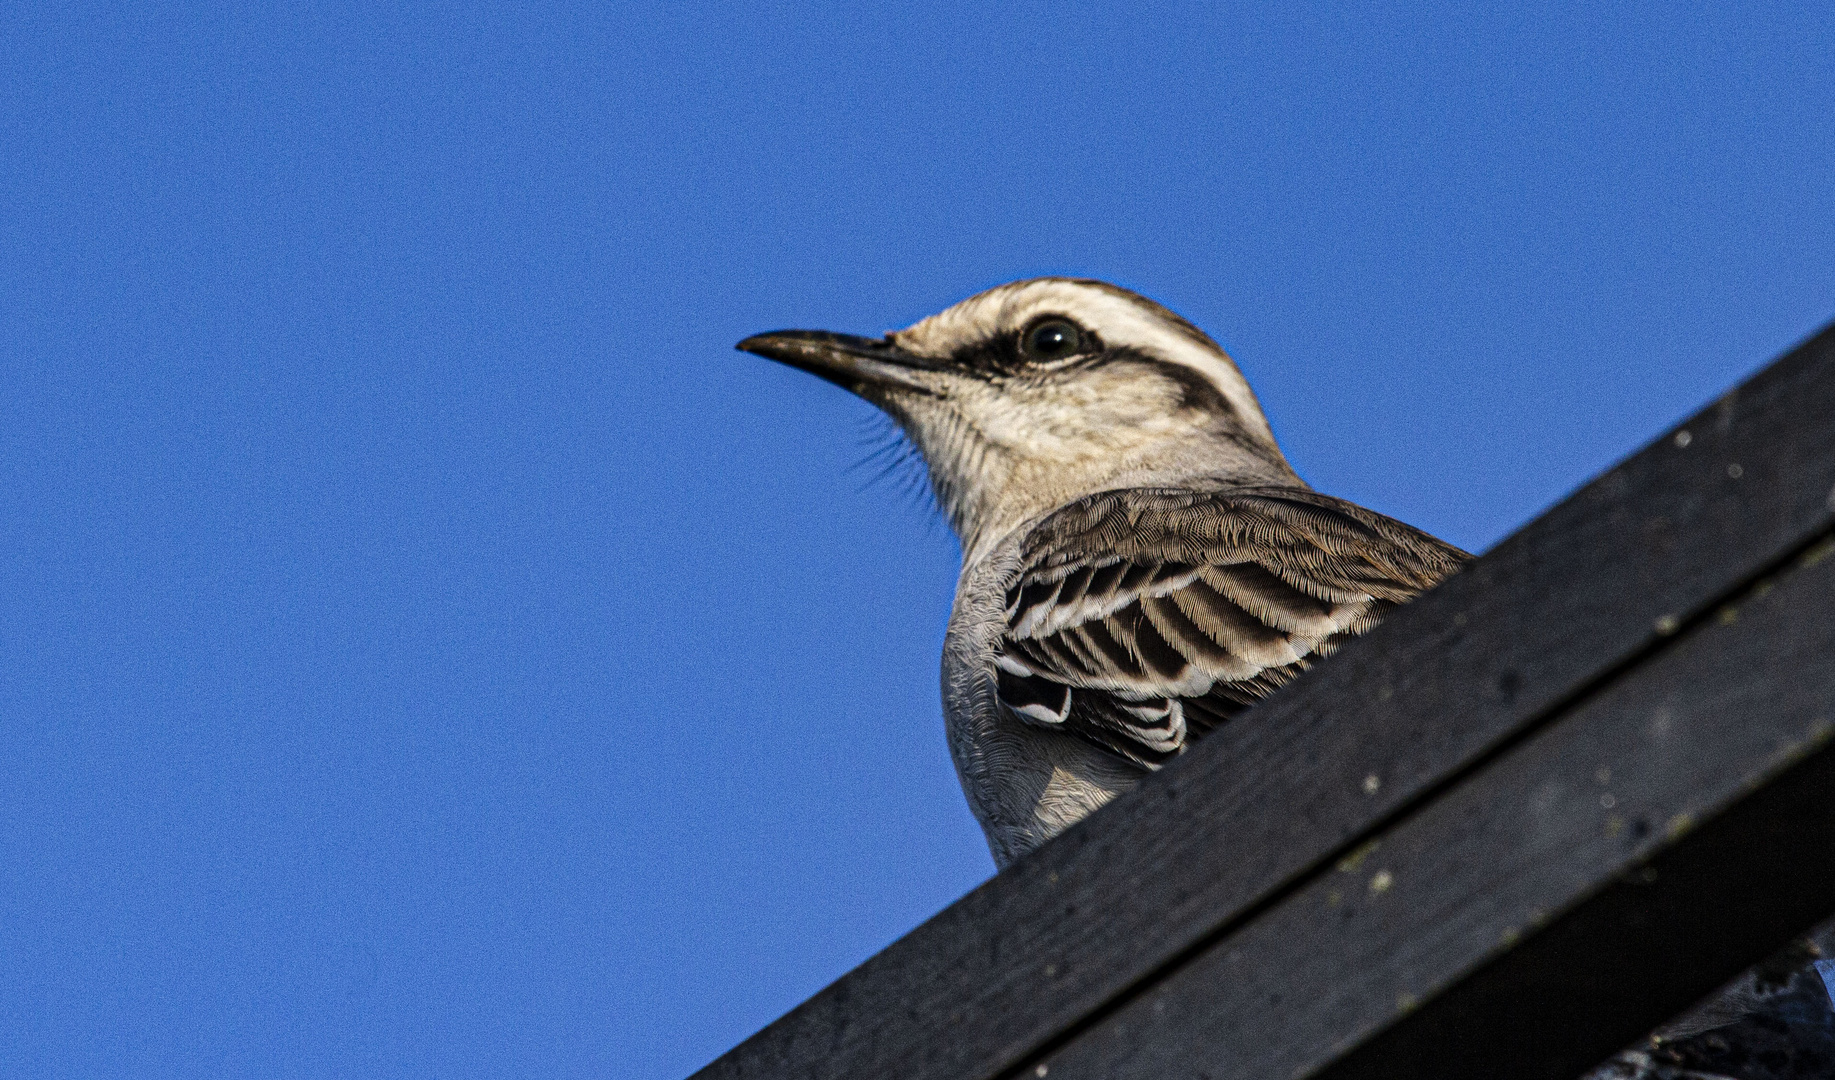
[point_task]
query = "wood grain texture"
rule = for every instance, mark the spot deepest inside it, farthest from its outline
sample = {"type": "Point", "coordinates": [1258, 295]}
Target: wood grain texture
{"type": "Point", "coordinates": [1075, 930]}
{"type": "Point", "coordinates": [1716, 757]}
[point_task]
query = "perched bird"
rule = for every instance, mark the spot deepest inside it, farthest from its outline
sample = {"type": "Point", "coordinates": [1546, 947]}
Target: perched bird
{"type": "Point", "coordinates": [1140, 563]}
{"type": "Point", "coordinates": [1139, 560]}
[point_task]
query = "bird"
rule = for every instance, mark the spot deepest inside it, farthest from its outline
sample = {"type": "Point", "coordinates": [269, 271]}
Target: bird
{"type": "Point", "coordinates": [1140, 562]}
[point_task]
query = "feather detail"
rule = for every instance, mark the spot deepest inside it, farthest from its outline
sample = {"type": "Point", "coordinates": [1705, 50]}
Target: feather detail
{"type": "Point", "coordinates": [1145, 617]}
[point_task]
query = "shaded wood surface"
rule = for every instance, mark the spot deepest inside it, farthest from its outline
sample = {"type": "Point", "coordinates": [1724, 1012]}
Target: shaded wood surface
{"type": "Point", "coordinates": [1079, 934]}
{"type": "Point", "coordinates": [1670, 831]}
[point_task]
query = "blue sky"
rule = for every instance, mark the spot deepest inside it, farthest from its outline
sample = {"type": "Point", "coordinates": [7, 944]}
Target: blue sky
{"type": "Point", "coordinates": [427, 649]}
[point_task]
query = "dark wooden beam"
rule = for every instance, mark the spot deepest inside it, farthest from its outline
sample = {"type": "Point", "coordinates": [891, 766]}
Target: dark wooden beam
{"type": "Point", "coordinates": [1039, 963]}
{"type": "Point", "coordinates": [1670, 830]}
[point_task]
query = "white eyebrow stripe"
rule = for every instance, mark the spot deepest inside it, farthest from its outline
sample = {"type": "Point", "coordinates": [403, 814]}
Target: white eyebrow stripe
{"type": "Point", "coordinates": [1118, 318]}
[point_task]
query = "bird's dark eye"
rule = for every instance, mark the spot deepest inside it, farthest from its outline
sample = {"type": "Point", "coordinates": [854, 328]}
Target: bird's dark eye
{"type": "Point", "coordinates": [1052, 339]}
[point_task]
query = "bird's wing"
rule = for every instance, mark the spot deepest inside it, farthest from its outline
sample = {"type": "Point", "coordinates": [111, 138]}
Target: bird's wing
{"type": "Point", "coordinates": [1142, 618]}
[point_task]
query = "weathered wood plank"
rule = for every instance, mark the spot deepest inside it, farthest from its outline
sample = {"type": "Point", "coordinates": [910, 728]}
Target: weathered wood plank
{"type": "Point", "coordinates": [1593, 584]}
{"type": "Point", "coordinates": [1717, 756]}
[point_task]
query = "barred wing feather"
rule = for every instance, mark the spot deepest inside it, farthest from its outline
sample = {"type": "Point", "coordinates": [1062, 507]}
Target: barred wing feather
{"type": "Point", "coordinates": [1143, 618]}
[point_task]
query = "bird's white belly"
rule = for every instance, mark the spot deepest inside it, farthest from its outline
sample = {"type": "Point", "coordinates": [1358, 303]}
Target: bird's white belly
{"type": "Point", "coordinates": [1025, 784]}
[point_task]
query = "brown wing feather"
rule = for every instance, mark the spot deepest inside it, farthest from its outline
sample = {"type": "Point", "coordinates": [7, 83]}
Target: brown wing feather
{"type": "Point", "coordinates": [1143, 618]}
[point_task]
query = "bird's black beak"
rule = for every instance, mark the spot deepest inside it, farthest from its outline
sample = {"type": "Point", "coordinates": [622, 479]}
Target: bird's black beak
{"type": "Point", "coordinates": [853, 363]}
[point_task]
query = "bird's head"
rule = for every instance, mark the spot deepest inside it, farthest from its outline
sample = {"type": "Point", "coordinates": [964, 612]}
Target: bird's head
{"type": "Point", "coordinates": [1033, 394]}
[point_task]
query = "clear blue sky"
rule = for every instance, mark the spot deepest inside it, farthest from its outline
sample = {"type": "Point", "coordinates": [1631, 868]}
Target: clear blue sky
{"type": "Point", "coordinates": [427, 649]}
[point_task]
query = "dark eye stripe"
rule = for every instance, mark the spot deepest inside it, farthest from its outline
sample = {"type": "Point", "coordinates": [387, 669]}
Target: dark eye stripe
{"type": "Point", "coordinates": [1048, 339]}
